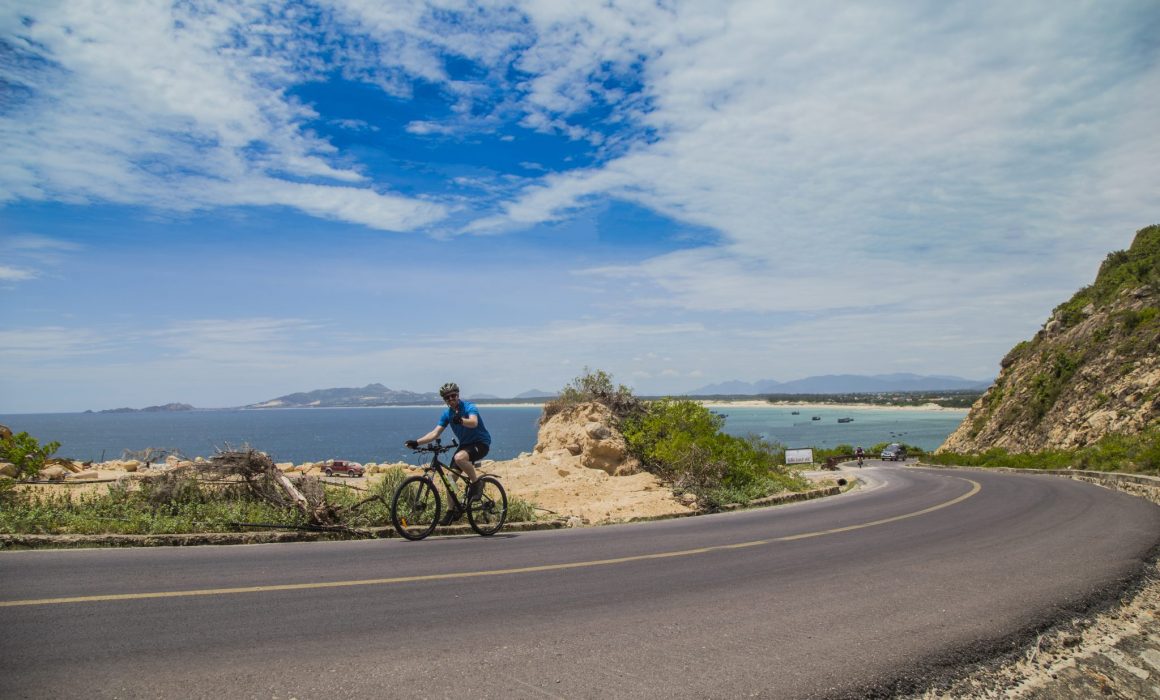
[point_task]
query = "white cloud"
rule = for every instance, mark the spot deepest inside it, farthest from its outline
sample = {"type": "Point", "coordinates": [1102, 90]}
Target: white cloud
{"type": "Point", "coordinates": [33, 255]}
{"type": "Point", "coordinates": [15, 274]}
{"type": "Point", "coordinates": [46, 345]}
{"type": "Point", "coordinates": [864, 156]}
{"type": "Point", "coordinates": [935, 173]}
{"type": "Point", "coordinates": [185, 109]}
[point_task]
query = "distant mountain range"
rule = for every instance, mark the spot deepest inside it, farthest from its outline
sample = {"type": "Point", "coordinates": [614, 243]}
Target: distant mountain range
{"type": "Point", "coordinates": [369, 395]}
{"type": "Point", "coordinates": [536, 394]}
{"type": "Point", "coordinates": [843, 384]}
{"type": "Point", "coordinates": [379, 395]}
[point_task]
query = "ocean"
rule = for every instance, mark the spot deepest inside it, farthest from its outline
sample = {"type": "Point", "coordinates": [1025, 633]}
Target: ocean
{"type": "Point", "coordinates": [377, 434]}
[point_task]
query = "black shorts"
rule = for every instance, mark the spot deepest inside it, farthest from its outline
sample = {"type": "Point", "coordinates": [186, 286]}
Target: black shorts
{"type": "Point", "coordinates": [475, 451]}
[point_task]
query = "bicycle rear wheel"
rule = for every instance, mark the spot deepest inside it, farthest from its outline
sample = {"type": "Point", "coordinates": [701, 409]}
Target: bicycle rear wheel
{"type": "Point", "coordinates": [487, 515]}
{"type": "Point", "coordinates": [415, 508]}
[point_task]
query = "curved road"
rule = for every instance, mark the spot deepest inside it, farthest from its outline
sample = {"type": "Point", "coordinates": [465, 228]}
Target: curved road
{"type": "Point", "coordinates": [873, 592]}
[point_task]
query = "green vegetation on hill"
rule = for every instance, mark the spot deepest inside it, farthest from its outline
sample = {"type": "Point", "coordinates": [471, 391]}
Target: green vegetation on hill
{"type": "Point", "coordinates": [1129, 454]}
{"type": "Point", "coordinates": [1139, 266]}
{"type": "Point", "coordinates": [1092, 358]}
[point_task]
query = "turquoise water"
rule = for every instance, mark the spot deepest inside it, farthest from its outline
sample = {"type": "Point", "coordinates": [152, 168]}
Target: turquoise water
{"type": "Point", "coordinates": [921, 428]}
{"type": "Point", "coordinates": [377, 434]}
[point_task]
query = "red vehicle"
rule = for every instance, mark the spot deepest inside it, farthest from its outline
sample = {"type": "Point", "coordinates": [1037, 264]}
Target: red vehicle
{"type": "Point", "coordinates": [341, 466]}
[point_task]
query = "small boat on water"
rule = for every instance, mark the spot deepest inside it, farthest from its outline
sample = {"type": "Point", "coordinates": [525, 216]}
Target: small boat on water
{"type": "Point", "coordinates": [845, 420]}
{"type": "Point", "coordinates": [795, 413]}
{"type": "Point", "coordinates": [816, 418]}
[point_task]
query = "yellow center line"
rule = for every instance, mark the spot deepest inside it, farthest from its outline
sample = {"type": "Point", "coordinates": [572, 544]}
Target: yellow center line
{"type": "Point", "coordinates": [975, 488]}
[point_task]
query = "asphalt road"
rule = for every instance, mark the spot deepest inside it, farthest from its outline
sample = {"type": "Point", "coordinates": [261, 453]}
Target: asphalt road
{"type": "Point", "coordinates": [873, 592]}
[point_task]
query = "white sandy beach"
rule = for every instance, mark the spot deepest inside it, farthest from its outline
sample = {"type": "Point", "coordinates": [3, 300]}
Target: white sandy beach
{"type": "Point", "coordinates": [760, 403]}
{"type": "Point", "coordinates": [757, 403]}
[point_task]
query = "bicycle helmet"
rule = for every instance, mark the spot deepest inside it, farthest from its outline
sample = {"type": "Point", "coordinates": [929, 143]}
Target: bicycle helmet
{"type": "Point", "coordinates": [448, 388]}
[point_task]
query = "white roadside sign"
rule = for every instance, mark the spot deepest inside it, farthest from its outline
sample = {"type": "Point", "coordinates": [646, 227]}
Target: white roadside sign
{"type": "Point", "coordinates": [803, 455]}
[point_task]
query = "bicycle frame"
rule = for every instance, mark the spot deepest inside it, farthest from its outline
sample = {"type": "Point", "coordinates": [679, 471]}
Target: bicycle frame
{"type": "Point", "coordinates": [448, 474]}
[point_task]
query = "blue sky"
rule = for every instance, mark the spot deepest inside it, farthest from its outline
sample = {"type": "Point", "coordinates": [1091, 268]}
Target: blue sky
{"type": "Point", "coordinates": [221, 202]}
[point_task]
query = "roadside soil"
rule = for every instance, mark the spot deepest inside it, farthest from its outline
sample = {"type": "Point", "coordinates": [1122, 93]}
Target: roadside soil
{"type": "Point", "coordinates": [557, 485]}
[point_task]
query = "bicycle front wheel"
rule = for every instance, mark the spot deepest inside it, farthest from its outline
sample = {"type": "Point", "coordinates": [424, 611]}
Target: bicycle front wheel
{"type": "Point", "coordinates": [487, 515]}
{"type": "Point", "coordinates": [415, 508]}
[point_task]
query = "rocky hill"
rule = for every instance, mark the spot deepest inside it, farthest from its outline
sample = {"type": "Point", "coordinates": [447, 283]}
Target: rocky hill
{"type": "Point", "coordinates": [1092, 370]}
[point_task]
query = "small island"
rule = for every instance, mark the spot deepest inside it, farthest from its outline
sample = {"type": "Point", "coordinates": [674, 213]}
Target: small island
{"type": "Point", "coordinates": [169, 407]}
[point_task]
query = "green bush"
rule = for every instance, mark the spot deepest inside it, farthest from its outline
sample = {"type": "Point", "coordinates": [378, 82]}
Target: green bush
{"type": "Point", "coordinates": [26, 453]}
{"type": "Point", "coordinates": [681, 441]}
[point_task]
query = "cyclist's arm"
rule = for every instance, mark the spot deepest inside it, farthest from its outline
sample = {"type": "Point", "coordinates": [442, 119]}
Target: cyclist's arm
{"type": "Point", "coordinates": [471, 420]}
{"type": "Point", "coordinates": [436, 432]}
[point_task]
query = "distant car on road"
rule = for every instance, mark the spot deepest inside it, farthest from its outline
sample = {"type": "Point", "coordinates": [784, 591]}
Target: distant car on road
{"type": "Point", "coordinates": [894, 453]}
{"type": "Point", "coordinates": [341, 466]}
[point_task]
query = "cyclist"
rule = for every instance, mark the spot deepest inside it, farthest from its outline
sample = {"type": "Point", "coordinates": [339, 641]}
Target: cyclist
{"type": "Point", "coordinates": [859, 454]}
{"type": "Point", "coordinates": [466, 423]}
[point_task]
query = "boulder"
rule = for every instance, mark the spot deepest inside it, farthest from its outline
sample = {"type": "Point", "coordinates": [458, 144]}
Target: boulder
{"type": "Point", "coordinates": [587, 431]}
{"type": "Point", "coordinates": [8, 469]}
{"type": "Point", "coordinates": [54, 473]}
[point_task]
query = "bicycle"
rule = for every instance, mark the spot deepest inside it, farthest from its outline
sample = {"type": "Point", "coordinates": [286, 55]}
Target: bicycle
{"type": "Point", "coordinates": [417, 507]}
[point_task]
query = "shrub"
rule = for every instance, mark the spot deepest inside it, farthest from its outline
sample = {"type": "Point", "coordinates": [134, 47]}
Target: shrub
{"type": "Point", "coordinates": [26, 453]}
{"type": "Point", "coordinates": [681, 441]}
{"type": "Point", "coordinates": [595, 386]}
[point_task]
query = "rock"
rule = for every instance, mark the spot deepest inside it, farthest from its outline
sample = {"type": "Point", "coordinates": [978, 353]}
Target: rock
{"type": "Point", "coordinates": [587, 431]}
{"type": "Point", "coordinates": [84, 475]}
{"type": "Point", "coordinates": [130, 466]}
{"type": "Point", "coordinates": [1100, 420]}
{"type": "Point", "coordinates": [54, 473]}
{"type": "Point", "coordinates": [8, 469]}
{"type": "Point", "coordinates": [597, 431]}
{"type": "Point", "coordinates": [5, 432]}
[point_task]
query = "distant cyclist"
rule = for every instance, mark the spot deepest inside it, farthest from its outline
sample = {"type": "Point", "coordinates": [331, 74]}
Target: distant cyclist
{"type": "Point", "coordinates": [465, 422]}
{"type": "Point", "coordinates": [860, 455]}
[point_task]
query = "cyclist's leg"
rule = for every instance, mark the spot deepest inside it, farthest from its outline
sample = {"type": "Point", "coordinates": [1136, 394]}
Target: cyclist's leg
{"type": "Point", "coordinates": [465, 460]}
{"type": "Point", "coordinates": [464, 463]}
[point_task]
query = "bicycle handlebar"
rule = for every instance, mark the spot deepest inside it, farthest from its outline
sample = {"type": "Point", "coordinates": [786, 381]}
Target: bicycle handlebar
{"type": "Point", "coordinates": [436, 447]}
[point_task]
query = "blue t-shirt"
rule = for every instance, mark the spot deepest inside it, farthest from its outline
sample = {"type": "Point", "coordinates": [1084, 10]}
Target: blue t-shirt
{"type": "Point", "coordinates": [465, 435]}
